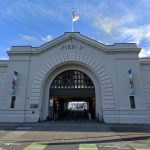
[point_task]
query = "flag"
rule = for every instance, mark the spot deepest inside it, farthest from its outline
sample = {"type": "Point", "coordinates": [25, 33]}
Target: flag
{"type": "Point", "coordinates": [74, 17]}
{"type": "Point", "coordinates": [15, 76]}
{"type": "Point", "coordinates": [130, 76]}
{"type": "Point", "coordinates": [131, 81]}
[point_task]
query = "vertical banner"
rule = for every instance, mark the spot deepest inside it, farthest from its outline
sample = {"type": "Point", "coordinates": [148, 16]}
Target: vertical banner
{"type": "Point", "coordinates": [130, 72]}
{"type": "Point", "coordinates": [15, 77]}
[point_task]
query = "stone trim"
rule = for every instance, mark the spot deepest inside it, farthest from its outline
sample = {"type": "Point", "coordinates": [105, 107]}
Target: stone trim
{"type": "Point", "coordinates": [98, 69]}
{"type": "Point", "coordinates": [115, 48]}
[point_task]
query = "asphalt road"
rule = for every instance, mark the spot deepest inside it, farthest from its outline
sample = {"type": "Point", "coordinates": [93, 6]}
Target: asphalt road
{"type": "Point", "coordinates": [73, 136]}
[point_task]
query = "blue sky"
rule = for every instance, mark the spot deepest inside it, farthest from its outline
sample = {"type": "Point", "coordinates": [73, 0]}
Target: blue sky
{"type": "Point", "coordinates": [34, 22]}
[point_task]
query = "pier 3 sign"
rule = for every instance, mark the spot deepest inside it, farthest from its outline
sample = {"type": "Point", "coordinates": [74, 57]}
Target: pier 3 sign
{"type": "Point", "coordinates": [71, 47]}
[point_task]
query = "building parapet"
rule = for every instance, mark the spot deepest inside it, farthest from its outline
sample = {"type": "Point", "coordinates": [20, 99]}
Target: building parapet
{"type": "Point", "coordinates": [4, 63]}
{"type": "Point", "coordinates": [145, 61]}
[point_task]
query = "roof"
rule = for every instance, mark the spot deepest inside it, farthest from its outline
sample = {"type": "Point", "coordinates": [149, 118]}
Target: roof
{"type": "Point", "coordinates": [116, 47]}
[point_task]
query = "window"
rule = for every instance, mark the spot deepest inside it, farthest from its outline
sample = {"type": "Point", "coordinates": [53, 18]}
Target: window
{"type": "Point", "coordinates": [13, 100]}
{"type": "Point", "coordinates": [132, 102]}
{"type": "Point", "coordinates": [72, 79]}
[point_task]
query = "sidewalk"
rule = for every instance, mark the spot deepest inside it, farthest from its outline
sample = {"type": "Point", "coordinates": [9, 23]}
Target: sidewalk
{"type": "Point", "coordinates": [64, 134]}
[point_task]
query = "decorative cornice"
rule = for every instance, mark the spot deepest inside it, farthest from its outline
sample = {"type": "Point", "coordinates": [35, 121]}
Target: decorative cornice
{"type": "Point", "coordinates": [145, 61]}
{"type": "Point", "coordinates": [116, 47]}
{"type": "Point", "coordinates": [4, 63]}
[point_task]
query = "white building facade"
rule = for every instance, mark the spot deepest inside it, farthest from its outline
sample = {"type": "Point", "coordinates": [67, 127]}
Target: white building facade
{"type": "Point", "coordinates": [121, 80]}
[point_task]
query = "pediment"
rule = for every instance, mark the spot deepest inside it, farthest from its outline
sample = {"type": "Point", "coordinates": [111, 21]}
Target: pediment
{"type": "Point", "coordinates": [72, 41]}
{"type": "Point", "coordinates": [75, 41]}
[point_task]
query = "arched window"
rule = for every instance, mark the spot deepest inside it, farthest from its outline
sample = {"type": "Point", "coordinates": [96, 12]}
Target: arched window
{"type": "Point", "coordinates": [72, 79]}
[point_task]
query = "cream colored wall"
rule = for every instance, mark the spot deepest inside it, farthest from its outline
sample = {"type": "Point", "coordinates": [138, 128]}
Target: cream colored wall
{"type": "Point", "coordinates": [3, 73]}
{"type": "Point", "coordinates": [106, 65]}
{"type": "Point", "coordinates": [145, 70]}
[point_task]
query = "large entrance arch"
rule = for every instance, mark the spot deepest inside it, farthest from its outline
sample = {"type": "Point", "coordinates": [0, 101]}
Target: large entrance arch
{"type": "Point", "coordinates": [104, 95]}
{"type": "Point", "coordinates": [63, 68]}
{"type": "Point", "coordinates": [72, 96]}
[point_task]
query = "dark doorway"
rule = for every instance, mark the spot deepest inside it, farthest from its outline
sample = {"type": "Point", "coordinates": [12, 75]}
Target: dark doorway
{"type": "Point", "coordinates": [72, 97]}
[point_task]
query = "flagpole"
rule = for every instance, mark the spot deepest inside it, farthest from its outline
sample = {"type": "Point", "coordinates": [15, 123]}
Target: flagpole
{"type": "Point", "coordinates": [72, 26]}
{"type": "Point", "coordinates": [72, 18]}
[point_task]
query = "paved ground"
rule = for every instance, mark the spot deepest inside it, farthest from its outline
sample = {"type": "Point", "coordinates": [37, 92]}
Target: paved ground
{"type": "Point", "coordinates": [73, 136]}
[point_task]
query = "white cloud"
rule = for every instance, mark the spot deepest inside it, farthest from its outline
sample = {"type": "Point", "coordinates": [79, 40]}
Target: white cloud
{"type": "Point", "coordinates": [139, 35]}
{"type": "Point", "coordinates": [35, 40]}
{"type": "Point", "coordinates": [128, 18]}
{"type": "Point", "coordinates": [115, 21]}
{"type": "Point", "coordinates": [136, 34]}
{"type": "Point", "coordinates": [47, 38]}
{"type": "Point", "coordinates": [28, 37]}
{"type": "Point", "coordinates": [144, 53]}
{"type": "Point", "coordinates": [105, 24]}
{"type": "Point", "coordinates": [26, 10]}
{"type": "Point", "coordinates": [105, 17]}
